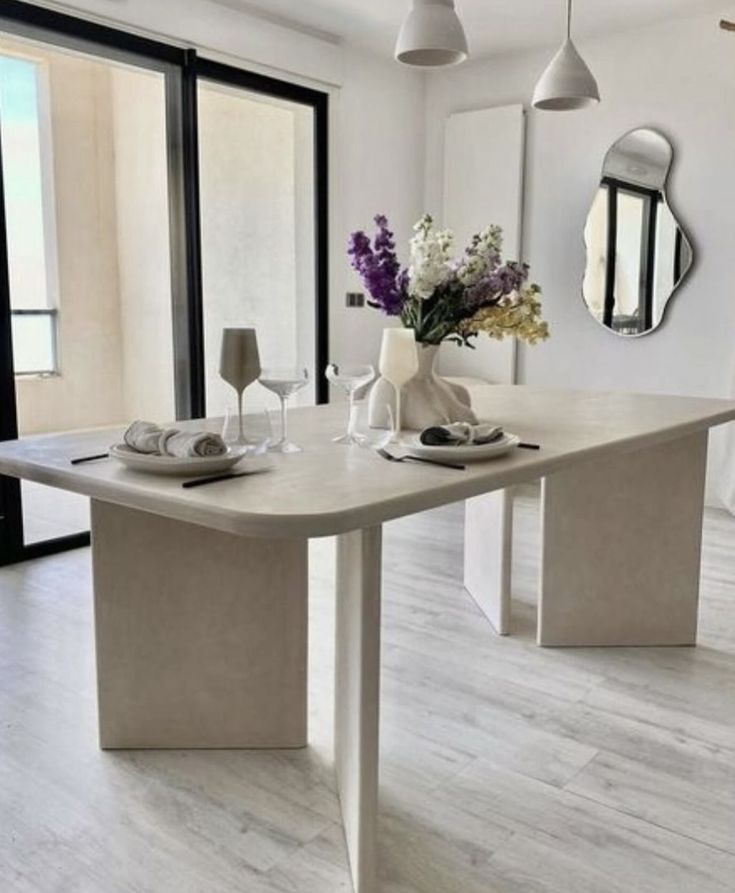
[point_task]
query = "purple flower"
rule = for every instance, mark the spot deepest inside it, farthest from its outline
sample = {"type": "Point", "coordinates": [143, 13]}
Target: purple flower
{"type": "Point", "coordinates": [500, 283]}
{"type": "Point", "coordinates": [379, 268]}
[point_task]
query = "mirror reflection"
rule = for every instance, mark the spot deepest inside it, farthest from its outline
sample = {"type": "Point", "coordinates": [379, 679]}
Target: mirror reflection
{"type": "Point", "coordinates": [637, 253]}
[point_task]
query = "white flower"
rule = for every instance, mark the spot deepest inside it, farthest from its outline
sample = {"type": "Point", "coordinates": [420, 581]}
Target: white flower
{"type": "Point", "coordinates": [431, 257]}
{"type": "Point", "coordinates": [482, 256]}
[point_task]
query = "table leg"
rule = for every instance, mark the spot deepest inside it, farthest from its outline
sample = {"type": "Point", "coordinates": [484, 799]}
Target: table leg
{"type": "Point", "coordinates": [621, 548]}
{"type": "Point", "coordinates": [488, 537]}
{"type": "Point", "coordinates": [201, 635]}
{"type": "Point", "coordinates": [357, 697]}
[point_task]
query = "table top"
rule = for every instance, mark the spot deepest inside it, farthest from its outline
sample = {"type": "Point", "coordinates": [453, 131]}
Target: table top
{"type": "Point", "coordinates": [331, 488]}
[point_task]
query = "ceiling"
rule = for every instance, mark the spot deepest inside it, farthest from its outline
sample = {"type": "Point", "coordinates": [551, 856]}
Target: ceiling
{"type": "Point", "coordinates": [493, 26]}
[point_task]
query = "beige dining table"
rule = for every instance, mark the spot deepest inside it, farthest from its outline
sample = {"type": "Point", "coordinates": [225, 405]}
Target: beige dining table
{"type": "Point", "coordinates": [201, 595]}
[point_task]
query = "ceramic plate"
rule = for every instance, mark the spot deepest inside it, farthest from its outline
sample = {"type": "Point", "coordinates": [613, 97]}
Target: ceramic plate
{"type": "Point", "coordinates": [472, 453]}
{"type": "Point", "coordinates": [193, 466]}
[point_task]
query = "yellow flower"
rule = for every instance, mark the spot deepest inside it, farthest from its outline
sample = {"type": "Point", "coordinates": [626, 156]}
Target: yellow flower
{"type": "Point", "coordinates": [518, 315]}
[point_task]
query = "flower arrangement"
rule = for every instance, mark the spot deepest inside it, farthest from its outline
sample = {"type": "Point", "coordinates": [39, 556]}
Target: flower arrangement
{"type": "Point", "coordinates": [448, 299]}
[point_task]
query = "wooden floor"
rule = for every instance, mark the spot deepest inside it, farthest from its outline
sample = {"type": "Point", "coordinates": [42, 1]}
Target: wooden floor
{"type": "Point", "coordinates": [506, 768]}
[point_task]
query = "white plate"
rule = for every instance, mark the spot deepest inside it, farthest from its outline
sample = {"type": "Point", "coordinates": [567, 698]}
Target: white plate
{"type": "Point", "coordinates": [472, 453]}
{"type": "Point", "coordinates": [190, 466]}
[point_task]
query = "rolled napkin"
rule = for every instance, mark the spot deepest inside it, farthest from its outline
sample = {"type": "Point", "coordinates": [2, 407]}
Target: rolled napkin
{"type": "Point", "coordinates": [461, 434]}
{"type": "Point", "coordinates": [146, 437]}
{"type": "Point", "coordinates": [185, 445]}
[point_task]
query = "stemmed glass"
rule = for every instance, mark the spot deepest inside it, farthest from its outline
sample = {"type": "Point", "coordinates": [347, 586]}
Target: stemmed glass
{"type": "Point", "coordinates": [399, 363]}
{"type": "Point", "coordinates": [239, 366]}
{"type": "Point", "coordinates": [284, 383]}
{"type": "Point", "coordinates": [351, 379]}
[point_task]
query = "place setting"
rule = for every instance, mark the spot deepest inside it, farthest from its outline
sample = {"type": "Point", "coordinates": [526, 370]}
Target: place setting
{"type": "Point", "coordinates": [376, 421]}
{"type": "Point", "coordinates": [210, 456]}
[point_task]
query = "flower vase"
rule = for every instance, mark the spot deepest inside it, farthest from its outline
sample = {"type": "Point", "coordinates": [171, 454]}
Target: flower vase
{"type": "Point", "coordinates": [426, 400]}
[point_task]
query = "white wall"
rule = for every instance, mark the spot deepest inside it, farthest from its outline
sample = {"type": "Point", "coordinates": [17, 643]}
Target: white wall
{"type": "Point", "coordinates": [378, 158]}
{"type": "Point", "coordinates": [680, 78]}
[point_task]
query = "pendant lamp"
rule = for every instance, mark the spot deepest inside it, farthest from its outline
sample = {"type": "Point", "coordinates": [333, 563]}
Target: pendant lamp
{"type": "Point", "coordinates": [567, 83]}
{"type": "Point", "coordinates": [432, 36]}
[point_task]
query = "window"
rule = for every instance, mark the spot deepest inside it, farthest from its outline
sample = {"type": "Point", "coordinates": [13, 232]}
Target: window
{"type": "Point", "coordinates": [34, 342]}
{"type": "Point", "coordinates": [27, 174]}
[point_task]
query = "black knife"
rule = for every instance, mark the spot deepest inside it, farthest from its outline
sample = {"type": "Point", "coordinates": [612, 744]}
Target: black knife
{"type": "Point", "coordinates": [201, 482]}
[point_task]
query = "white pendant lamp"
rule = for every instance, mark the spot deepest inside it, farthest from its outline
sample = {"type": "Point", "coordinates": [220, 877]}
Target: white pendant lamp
{"type": "Point", "coordinates": [567, 83]}
{"type": "Point", "coordinates": [432, 35]}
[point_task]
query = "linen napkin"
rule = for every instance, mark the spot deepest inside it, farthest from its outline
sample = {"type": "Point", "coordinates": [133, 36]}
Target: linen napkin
{"type": "Point", "coordinates": [146, 437]}
{"type": "Point", "coordinates": [184, 444]}
{"type": "Point", "coordinates": [461, 434]}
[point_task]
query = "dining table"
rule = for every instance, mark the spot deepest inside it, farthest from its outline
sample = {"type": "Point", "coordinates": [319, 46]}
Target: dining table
{"type": "Point", "coordinates": [201, 594]}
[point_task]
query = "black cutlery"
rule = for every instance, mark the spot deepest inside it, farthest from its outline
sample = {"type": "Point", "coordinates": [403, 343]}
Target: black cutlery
{"type": "Point", "coordinates": [391, 458]}
{"type": "Point", "coordinates": [84, 459]}
{"type": "Point", "coordinates": [201, 482]}
{"type": "Point", "coordinates": [529, 446]}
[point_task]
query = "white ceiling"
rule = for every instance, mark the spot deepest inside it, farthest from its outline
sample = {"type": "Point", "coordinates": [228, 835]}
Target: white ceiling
{"type": "Point", "coordinates": [493, 26]}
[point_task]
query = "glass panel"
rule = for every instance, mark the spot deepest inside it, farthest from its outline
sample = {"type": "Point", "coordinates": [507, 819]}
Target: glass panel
{"type": "Point", "coordinates": [96, 161]}
{"type": "Point", "coordinates": [595, 236]}
{"type": "Point", "coordinates": [631, 209]}
{"type": "Point", "coordinates": [28, 204]}
{"type": "Point", "coordinates": [34, 350]}
{"type": "Point", "coordinates": [49, 513]}
{"type": "Point", "coordinates": [258, 233]}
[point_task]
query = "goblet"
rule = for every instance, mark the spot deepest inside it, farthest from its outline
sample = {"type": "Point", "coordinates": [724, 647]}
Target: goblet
{"type": "Point", "coordinates": [350, 379]}
{"type": "Point", "coordinates": [399, 363]}
{"type": "Point", "coordinates": [239, 366]}
{"type": "Point", "coordinates": [284, 383]}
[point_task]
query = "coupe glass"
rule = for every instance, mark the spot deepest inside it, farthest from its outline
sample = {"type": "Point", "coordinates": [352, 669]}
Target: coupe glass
{"type": "Point", "coordinates": [399, 363]}
{"type": "Point", "coordinates": [284, 383]}
{"type": "Point", "coordinates": [350, 379]}
{"type": "Point", "coordinates": [239, 366]}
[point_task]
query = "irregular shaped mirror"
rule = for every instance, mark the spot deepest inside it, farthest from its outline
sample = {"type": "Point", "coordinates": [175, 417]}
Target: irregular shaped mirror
{"type": "Point", "coordinates": [637, 253]}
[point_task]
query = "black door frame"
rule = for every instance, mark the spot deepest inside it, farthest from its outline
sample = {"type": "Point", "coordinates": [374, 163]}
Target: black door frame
{"type": "Point", "coordinates": [182, 117]}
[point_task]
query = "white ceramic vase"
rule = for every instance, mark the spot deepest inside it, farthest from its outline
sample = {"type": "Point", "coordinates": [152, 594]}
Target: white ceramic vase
{"type": "Point", "coordinates": [426, 400]}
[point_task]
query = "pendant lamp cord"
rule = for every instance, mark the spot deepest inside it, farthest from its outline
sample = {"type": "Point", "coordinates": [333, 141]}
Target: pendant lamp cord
{"type": "Point", "coordinates": [569, 19]}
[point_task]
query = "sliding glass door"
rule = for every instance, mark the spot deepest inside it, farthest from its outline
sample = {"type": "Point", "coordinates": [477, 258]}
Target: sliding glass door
{"type": "Point", "coordinates": [84, 156]}
{"type": "Point", "coordinates": [149, 198]}
{"type": "Point", "coordinates": [262, 190]}
{"type": "Point", "coordinates": [92, 182]}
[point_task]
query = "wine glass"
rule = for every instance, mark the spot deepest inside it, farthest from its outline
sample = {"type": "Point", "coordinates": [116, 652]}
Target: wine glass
{"type": "Point", "coordinates": [239, 366]}
{"type": "Point", "coordinates": [399, 362]}
{"type": "Point", "coordinates": [284, 383]}
{"type": "Point", "coordinates": [350, 379]}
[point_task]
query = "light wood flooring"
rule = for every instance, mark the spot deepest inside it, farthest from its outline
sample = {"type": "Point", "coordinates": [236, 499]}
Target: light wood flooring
{"type": "Point", "coordinates": [505, 768]}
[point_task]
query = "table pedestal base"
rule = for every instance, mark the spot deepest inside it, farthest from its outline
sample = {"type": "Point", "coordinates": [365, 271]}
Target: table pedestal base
{"type": "Point", "coordinates": [488, 538]}
{"type": "Point", "coordinates": [201, 635]}
{"type": "Point", "coordinates": [357, 698]}
{"type": "Point", "coordinates": [621, 548]}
